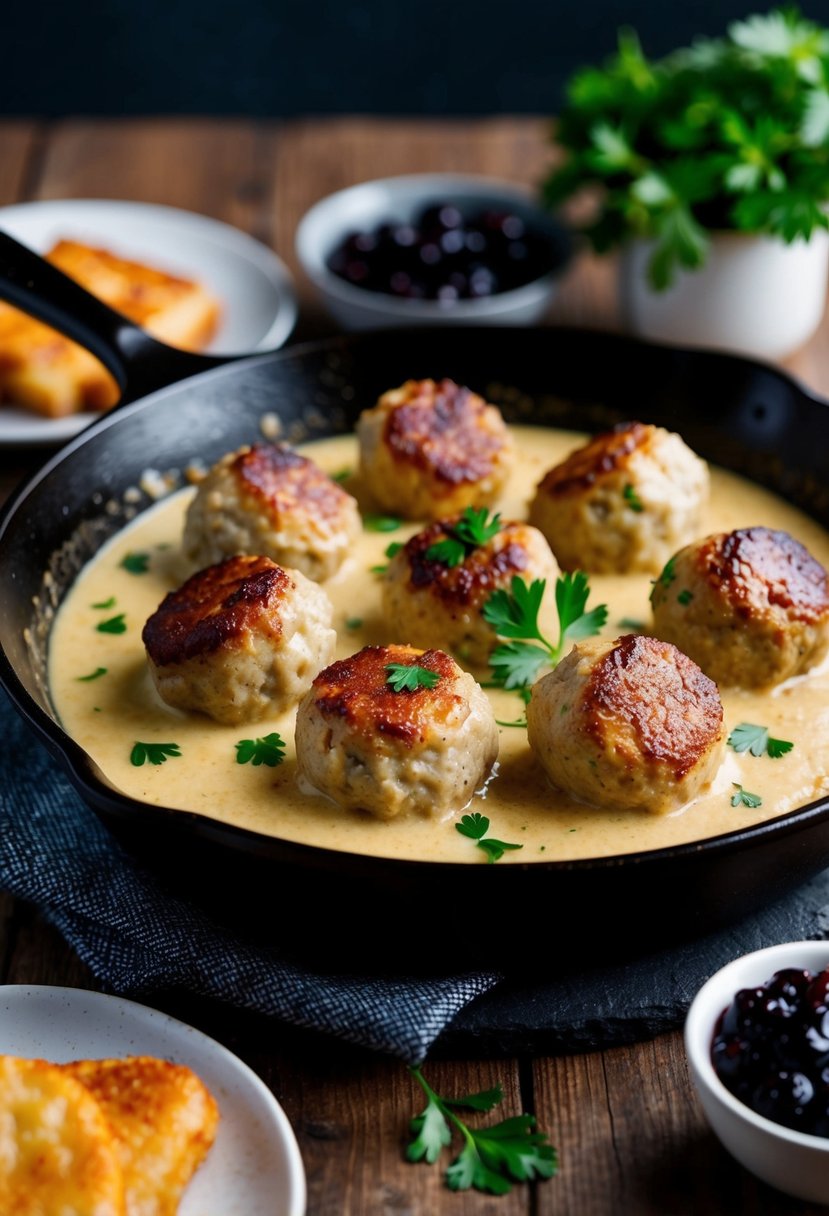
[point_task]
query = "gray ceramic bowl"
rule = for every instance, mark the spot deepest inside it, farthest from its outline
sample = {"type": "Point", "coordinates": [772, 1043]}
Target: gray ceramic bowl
{"type": "Point", "coordinates": [399, 200]}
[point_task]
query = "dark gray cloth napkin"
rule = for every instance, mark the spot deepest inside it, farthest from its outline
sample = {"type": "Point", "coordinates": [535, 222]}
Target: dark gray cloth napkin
{"type": "Point", "coordinates": [138, 936]}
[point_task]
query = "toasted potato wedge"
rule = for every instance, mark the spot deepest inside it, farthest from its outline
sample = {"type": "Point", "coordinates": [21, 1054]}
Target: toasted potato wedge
{"type": "Point", "coordinates": [163, 1119]}
{"type": "Point", "coordinates": [44, 371]}
{"type": "Point", "coordinates": [57, 1152]}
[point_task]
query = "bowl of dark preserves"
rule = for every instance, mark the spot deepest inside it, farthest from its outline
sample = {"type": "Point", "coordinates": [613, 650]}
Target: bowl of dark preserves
{"type": "Point", "coordinates": [433, 249]}
{"type": "Point", "coordinates": [757, 1040]}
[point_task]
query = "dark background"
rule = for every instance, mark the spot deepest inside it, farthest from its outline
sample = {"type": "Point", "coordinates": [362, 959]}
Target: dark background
{"type": "Point", "coordinates": [286, 57]}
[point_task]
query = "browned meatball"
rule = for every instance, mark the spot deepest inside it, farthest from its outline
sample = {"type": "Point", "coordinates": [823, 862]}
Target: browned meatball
{"type": "Point", "coordinates": [428, 449]}
{"type": "Point", "coordinates": [434, 604]}
{"type": "Point", "coordinates": [369, 747]}
{"type": "Point", "coordinates": [270, 500]}
{"type": "Point", "coordinates": [623, 502]}
{"type": "Point", "coordinates": [632, 724]}
{"type": "Point", "coordinates": [751, 606]}
{"type": "Point", "coordinates": [239, 640]}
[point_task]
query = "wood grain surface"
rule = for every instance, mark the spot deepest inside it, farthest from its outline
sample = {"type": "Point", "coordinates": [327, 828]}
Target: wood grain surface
{"type": "Point", "coordinates": [631, 1136]}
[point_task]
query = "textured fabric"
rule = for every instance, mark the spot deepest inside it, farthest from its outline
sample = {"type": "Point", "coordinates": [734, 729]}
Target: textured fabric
{"type": "Point", "coordinates": [138, 937]}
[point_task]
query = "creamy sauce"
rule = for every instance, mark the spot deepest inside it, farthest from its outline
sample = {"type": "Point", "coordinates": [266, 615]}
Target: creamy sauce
{"type": "Point", "coordinates": [107, 715]}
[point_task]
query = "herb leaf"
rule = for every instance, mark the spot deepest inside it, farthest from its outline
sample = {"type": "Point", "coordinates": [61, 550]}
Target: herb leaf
{"type": "Point", "coordinates": [495, 849]}
{"type": "Point", "coordinates": [110, 603]}
{"type": "Point", "coordinates": [93, 675]}
{"type": "Point", "coordinates": [115, 624]}
{"type": "Point", "coordinates": [514, 615]}
{"type": "Point", "coordinates": [747, 737]}
{"type": "Point", "coordinates": [492, 1158]}
{"type": "Point", "coordinates": [403, 677]}
{"type": "Point", "coordinates": [742, 797]}
{"type": "Point", "coordinates": [136, 563]}
{"type": "Point", "coordinates": [474, 826]}
{"type": "Point", "coordinates": [269, 750]}
{"type": "Point", "coordinates": [473, 529]}
{"type": "Point", "coordinates": [666, 577]}
{"type": "Point", "coordinates": [390, 551]}
{"type": "Point", "coordinates": [154, 753]}
{"type": "Point", "coordinates": [632, 499]}
{"type": "Point", "coordinates": [381, 523]}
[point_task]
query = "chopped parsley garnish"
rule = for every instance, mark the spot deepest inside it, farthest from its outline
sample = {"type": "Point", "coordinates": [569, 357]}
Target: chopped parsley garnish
{"type": "Point", "coordinates": [390, 551]}
{"type": "Point", "coordinates": [756, 739]}
{"type": "Point", "coordinates": [492, 1158]}
{"type": "Point", "coordinates": [93, 675]}
{"type": "Point", "coordinates": [136, 563]}
{"type": "Point", "coordinates": [341, 475]}
{"type": "Point", "coordinates": [632, 499]}
{"type": "Point", "coordinates": [518, 722]}
{"type": "Point", "coordinates": [404, 678]}
{"type": "Point", "coordinates": [113, 624]}
{"type": "Point", "coordinates": [685, 596]}
{"type": "Point", "coordinates": [269, 750]}
{"type": "Point", "coordinates": [666, 577]}
{"type": "Point", "coordinates": [110, 603]}
{"type": "Point", "coordinates": [742, 797]}
{"type": "Point", "coordinates": [514, 615]}
{"type": "Point", "coordinates": [476, 826]}
{"type": "Point", "coordinates": [153, 753]}
{"type": "Point", "coordinates": [381, 523]}
{"type": "Point", "coordinates": [473, 529]}
{"type": "Point", "coordinates": [354, 622]}
{"type": "Point", "coordinates": [632, 624]}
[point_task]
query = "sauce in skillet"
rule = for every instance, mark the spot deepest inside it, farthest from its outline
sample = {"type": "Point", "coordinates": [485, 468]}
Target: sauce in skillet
{"type": "Point", "coordinates": [107, 715]}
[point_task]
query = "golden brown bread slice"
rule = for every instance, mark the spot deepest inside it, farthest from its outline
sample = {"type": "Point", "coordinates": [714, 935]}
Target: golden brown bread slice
{"type": "Point", "coordinates": [44, 371]}
{"type": "Point", "coordinates": [57, 1151]}
{"type": "Point", "coordinates": [163, 1120]}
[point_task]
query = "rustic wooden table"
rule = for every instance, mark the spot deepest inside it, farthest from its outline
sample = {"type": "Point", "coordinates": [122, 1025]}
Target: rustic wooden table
{"type": "Point", "coordinates": [631, 1136]}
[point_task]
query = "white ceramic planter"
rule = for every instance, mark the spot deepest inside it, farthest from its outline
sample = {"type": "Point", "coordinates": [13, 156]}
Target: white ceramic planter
{"type": "Point", "coordinates": [754, 294]}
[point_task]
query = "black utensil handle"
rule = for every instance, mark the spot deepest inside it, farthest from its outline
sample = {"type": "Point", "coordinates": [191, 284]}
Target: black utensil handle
{"type": "Point", "coordinates": [138, 362]}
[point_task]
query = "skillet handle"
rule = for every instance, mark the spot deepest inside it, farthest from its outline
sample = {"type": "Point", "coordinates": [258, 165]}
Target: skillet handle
{"type": "Point", "coordinates": [138, 362]}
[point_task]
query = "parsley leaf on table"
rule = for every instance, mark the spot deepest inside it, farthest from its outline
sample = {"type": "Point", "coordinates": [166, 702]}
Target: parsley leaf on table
{"type": "Point", "coordinates": [473, 529]}
{"type": "Point", "coordinates": [747, 737]}
{"type": "Point", "coordinates": [269, 750]}
{"type": "Point", "coordinates": [155, 753]}
{"type": "Point", "coordinates": [514, 615]}
{"type": "Point", "coordinates": [492, 1158]}
{"type": "Point", "coordinates": [742, 797]}
{"type": "Point", "coordinates": [404, 677]}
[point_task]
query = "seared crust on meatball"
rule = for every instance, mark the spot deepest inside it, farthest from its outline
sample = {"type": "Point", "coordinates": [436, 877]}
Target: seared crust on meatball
{"type": "Point", "coordinates": [751, 606]}
{"type": "Point", "coordinates": [623, 502]}
{"type": "Point", "coordinates": [423, 751]}
{"type": "Point", "coordinates": [269, 500]}
{"type": "Point", "coordinates": [433, 603]}
{"type": "Point", "coordinates": [632, 724]}
{"type": "Point", "coordinates": [239, 640]}
{"type": "Point", "coordinates": [428, 449]}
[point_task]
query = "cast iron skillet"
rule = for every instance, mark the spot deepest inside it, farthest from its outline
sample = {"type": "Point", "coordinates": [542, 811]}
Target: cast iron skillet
{"type": "Point", "coordinates": [742, 415]}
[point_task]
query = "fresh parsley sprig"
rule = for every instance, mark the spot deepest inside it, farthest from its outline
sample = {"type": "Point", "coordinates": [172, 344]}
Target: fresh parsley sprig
{"type": "Point", "coordinates": [747, 737]}
{"type": "Point", "coordinates": [514, 615]}
{"type": "Point", "coordinates": [742, 797]}
{"type": "Point", "coordinates": [470, 532]}
{"type": "Point", "coordinates": [476, 826]}
{"type": "Point", "coordinates": [406, 677]}
{"type": "Point", "coordinates": [154, 753]}
{"type": "Point", "coordinates": [492, 1158]}
{"type": "Point", "coordinates": [268, 750]}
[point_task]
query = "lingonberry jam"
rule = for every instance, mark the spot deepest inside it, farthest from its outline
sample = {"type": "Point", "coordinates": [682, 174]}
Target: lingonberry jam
{"type": "Point", "coordinates": [771, 1049]}
{"type": "Point", "coordinates": [445, 255]}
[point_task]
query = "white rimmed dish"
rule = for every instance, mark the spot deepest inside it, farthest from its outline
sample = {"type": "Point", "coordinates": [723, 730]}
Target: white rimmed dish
{"type": "Point", "coordinates": [254, 1167]}
{"type": "Point", "coordinates": [399, 200]}
{"type": "Point", "coordinates": [253, 285]}
{"type": "Point", "coordinates": [791, 1161]}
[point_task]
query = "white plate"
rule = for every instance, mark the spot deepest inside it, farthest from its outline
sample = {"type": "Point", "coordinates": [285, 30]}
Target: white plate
{"type": "Point", "coordinates": [254, 1167]}
{"type": "Point", "coordinates": [252, 283]}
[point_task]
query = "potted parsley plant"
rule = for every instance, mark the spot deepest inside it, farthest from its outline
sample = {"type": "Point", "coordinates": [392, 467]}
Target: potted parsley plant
{"type": "Point", "coordinates": [709, 169]}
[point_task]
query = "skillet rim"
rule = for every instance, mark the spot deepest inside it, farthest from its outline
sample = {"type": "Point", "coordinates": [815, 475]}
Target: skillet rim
{"type": "Point", "coordinates": [109, 802]}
